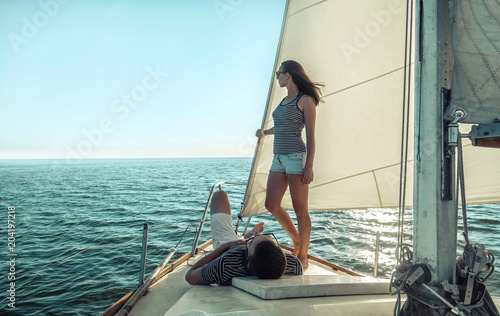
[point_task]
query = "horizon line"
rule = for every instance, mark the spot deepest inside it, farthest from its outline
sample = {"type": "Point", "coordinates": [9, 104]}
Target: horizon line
{"type": "Point", "coordinates": [102, 158]}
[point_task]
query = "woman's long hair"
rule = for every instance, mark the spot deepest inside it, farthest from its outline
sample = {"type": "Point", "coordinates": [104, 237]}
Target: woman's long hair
{"type": "Point", "coordinates": [302, 81]}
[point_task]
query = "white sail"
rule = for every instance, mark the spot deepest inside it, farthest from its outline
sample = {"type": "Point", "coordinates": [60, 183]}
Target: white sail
{"type": "Point", "coordinates": [356, 48]}
{"type": "Point", "coordinates": [476, 46]}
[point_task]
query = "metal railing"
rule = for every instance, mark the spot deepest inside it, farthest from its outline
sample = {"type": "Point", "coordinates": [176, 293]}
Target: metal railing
{"type": "Point", "coordinates": [377, 250]}
{"type": "Point", "coordinates": [144, 252]}
{"type": "Point", "coordinates": [125, 310]}
{"type": "Point", "coordinates": [144, 284]}
{"type": "Point", "coordinates": [207, 207]}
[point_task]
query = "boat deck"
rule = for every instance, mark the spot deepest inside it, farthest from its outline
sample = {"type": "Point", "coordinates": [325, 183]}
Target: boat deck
{"type": "Point", "coordinates": [172, 295]}
{"type": "Point", "coordinates": [337, 294]}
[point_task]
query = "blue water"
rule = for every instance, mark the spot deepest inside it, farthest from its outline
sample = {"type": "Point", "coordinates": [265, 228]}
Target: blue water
{"type": "Point", "coordinates": [63, 208]}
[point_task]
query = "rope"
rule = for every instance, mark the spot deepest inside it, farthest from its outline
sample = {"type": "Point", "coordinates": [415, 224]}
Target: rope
{"type": "Point", "coordinates": [455, 309]}
{"type": "Point", "coordinates": [184, 234]}
{"type": "Point", "coordinates": [405, 120]}
{"type": "Point", "coordinates": [474, 267]}
{"type": "Point", "coordinates": [400, 274]}
{"type": "Point", "coordinates": [170, 225]}
{"type": "Point", "coordinates": [461, 188]}
{"type": "Point", "coordinates": [402, 249]}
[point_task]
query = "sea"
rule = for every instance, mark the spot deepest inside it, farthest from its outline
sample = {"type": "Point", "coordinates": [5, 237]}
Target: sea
{"type": "Point", "coordinates": [72, 230]}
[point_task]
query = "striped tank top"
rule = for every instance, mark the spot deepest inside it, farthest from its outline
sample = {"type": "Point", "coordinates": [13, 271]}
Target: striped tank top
{"type": "Point", "coordinates": [288, 125]}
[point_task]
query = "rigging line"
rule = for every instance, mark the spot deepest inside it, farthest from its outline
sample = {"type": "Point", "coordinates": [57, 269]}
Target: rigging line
{"type": "Point", "coordinates": [401, 169]}
{"type": "Point", "coordinates": [461, 183]}
{"type": "Point", "coordinates": [457, 184]}
{"type": "Point", "coordinates": [405, 118]}
{"type": "Point", "coordinates": [107, 245]}
{"type": "Point", "coordinates": [419, 85]}
{"type": "Point", "coordinates": [184, 234]}
{"type": "Point", "coordinates": [407, 114]}
{"type": "Point", "coordinates": [454, 308]}
{"type": "Point", "coordinates": [170, 225]}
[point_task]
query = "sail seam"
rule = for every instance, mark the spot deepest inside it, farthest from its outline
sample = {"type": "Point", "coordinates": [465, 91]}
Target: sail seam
{"type": "Point", "coordinates": [378, 190]}
{"type": "Point", "coordinates": [308, 7]}
{"type": "Point", "coordinates": [356, 175]}
{"type": "Point", "coordinates": [363, 82]}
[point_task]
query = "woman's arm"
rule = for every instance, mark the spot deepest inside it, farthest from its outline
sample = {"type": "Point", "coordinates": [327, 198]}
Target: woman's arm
{"type": "Point", "coordinates": [264, 132]}
{"type": "Point", "coordinates": [269, 131]}
{"type": "Point", "coordinates": [306, 104]}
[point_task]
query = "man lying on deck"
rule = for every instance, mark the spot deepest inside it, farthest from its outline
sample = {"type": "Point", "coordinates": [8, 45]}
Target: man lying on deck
{"type": "Point", "coordinates": [257, 255]}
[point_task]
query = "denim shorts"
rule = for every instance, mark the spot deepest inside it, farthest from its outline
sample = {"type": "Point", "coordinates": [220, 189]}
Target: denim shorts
{"type": "Point", "coordinates": [290, 163]}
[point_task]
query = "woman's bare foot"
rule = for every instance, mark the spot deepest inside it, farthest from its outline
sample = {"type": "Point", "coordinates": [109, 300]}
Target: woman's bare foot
{"type": "Point", "coordinates": [296, 249]}
{"type": "Point", "coordinates": [258, 228]}
{"type": "Point", "coordinates": [305, 262]}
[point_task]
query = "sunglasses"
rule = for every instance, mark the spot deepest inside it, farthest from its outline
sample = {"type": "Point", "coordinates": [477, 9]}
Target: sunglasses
{"type": "Point", "coordinates": [249, 240]}
{"type": "Point", "coordinates": [278, 73]}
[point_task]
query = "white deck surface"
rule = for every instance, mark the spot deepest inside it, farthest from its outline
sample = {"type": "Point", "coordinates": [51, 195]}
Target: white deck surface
{"type": "Point", "coordinates": [311, 285]}
{"type": "Point", "coordinates": [229, 300]}
{"type": "Point", "coordinates": [173, 296]}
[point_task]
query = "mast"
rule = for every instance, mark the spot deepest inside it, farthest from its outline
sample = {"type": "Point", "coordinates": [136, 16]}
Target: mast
{"type": "Point", "coordinates": [435, 191]}
{"type": "Point", "coordinates": [435, 227]}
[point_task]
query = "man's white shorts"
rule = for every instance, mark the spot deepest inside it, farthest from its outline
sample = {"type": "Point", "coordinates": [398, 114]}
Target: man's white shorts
{"type": "Point", "coordinates": [222, 229]}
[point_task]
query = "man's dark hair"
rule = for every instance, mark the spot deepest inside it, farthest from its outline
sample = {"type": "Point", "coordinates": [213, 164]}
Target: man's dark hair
{"type": "Point", "coordinates": [268, 260]}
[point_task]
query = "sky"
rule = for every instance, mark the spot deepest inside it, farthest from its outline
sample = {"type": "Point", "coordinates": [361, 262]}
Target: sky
{"type": "Point", "coordinates": [134, 79]}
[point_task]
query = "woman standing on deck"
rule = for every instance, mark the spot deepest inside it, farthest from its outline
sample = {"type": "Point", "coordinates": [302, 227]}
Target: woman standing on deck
{"type": "Point", "coordinates": [292, 165]}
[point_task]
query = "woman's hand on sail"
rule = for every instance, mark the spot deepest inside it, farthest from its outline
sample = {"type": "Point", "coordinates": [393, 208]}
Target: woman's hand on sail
{"type": "Point", "coordinates": [260, 133]}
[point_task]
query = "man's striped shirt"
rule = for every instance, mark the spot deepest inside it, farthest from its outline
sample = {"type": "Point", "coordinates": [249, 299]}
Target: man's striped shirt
{"type": "Point", "coordinates": [232, 263]}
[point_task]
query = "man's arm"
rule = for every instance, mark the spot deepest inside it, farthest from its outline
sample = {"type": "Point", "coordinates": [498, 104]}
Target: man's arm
{"type": "Point", "coordinates": [193, 276]}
